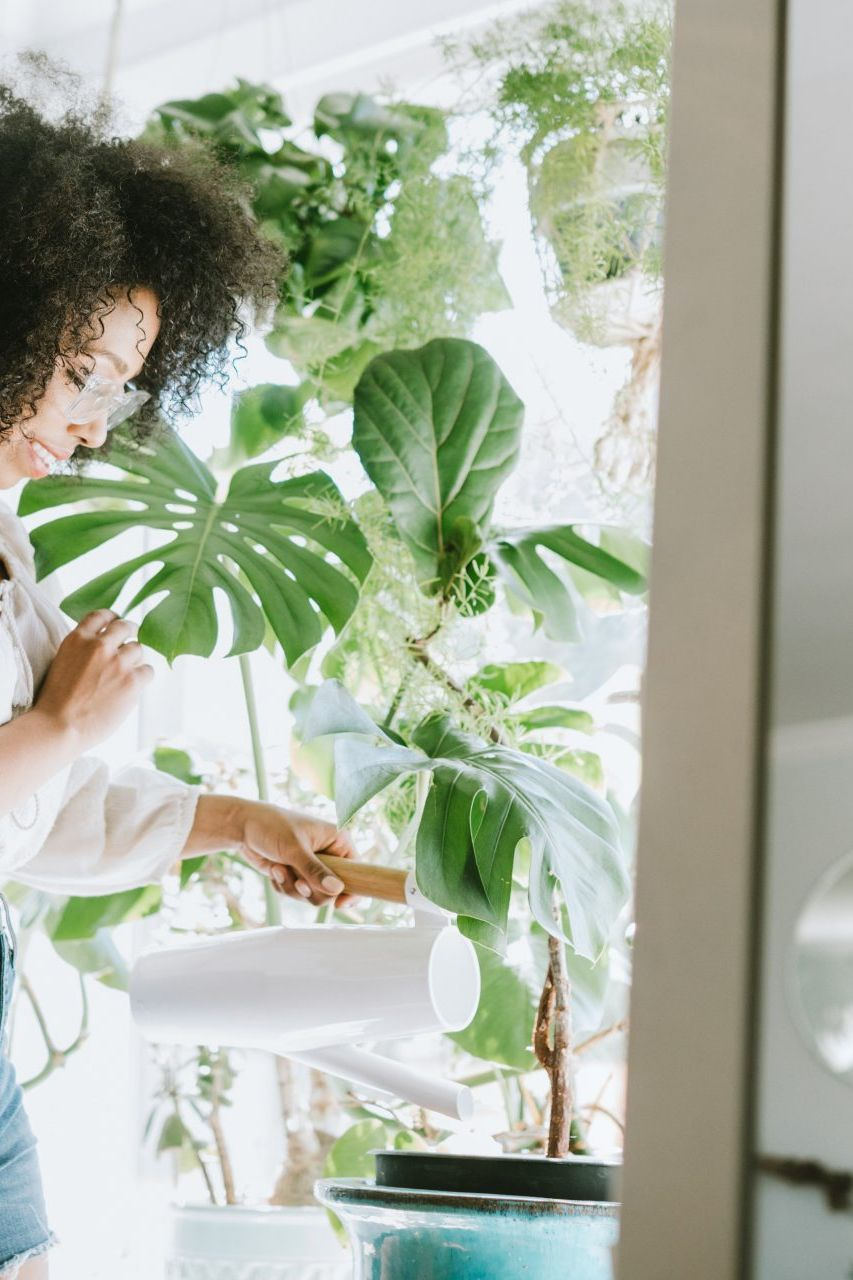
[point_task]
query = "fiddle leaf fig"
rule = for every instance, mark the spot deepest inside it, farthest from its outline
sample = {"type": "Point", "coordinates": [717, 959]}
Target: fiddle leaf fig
{"type": "Point", "coordinates": [284, 551]}
{"type": "Point", "coordinates": [438, 430]}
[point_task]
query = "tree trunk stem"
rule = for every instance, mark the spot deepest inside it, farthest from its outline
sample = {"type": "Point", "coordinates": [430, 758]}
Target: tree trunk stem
{"type": "Point", "coordinates": [552, 1043]}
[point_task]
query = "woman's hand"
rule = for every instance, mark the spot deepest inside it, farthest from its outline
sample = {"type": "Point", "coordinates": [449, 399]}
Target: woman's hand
{"type": "Point", "coordinates": [282, 843]}
{"type": "Point", "coordinates": [95, 679]}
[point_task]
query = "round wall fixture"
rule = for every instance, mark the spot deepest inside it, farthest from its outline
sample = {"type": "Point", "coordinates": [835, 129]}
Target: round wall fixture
{"type": "Point", "coordinates": [822, 976]}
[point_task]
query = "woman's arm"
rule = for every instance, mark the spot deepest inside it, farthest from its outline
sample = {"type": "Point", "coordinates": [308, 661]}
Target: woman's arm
{"type": "Point", "coordinates": [112, 833]}
{"type": "Point", "coordinates": [280, 842]}
{"type": "Point", "coordinates": [32, 749]}
{"type": "Point", "coordinates": [92, 684]}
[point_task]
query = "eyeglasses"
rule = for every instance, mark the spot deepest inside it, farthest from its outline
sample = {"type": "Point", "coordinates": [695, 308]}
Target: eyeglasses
{"type": "Point", "coordinates": [99, 395]}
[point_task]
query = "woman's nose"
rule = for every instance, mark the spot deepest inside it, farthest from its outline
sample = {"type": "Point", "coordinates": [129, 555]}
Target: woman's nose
{"type": "Point", "coordinates": [91, 434]}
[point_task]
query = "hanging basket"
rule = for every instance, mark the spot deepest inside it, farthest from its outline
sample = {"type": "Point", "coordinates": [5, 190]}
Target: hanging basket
{"type": "Point", "coordinates": [594, 201]}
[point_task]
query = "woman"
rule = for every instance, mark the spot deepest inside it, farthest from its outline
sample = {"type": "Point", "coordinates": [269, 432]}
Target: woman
{"type": "Point", "coordinates": [123, 269]}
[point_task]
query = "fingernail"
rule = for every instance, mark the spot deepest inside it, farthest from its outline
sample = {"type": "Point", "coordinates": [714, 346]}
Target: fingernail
{"type": "Point", "coordinates": [332, 883]}
{"type": "Point", "coordinates": [277, 874]}
{"type": "Point", "coordinates": [303, 888]}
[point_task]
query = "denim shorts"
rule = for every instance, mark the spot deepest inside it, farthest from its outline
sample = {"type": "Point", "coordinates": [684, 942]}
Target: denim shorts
{"type": "Point", "coordinates": [24, 1232]}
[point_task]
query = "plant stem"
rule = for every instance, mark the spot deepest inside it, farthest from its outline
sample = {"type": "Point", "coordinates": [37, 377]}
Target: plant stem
{"type": "Point", "coordinates": [552, 1042]}
{"type": "Point", "coordinates": [388, 722]}
{"type": "Point", "coordinates": [215, 1122]}
{"type": "Point", "coordinates": [613, 1030]}
{"type": "Point", "coordinates": [55, 1057]}
{"type": "Point", "coordinates": [273, 911]}
{"type": "Point", "coordinates": [419, 652]}
{"type": "Point", "coordinates": [208, 1182]}
{"type": "Point", "coordinates": [301, 1165]}
{"type": "Point", "coordinates": [261, 779]}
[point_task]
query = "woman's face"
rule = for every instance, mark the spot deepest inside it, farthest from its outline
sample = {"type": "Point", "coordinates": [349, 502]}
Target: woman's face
{"type": "Point", "coordinates": [117, 354]}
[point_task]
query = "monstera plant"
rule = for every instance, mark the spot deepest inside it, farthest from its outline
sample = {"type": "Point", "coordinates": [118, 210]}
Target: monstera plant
{"type": "Point", "coordinates": [485, 778]}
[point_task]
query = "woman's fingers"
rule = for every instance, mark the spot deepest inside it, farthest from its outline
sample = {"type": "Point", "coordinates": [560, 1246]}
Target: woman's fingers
{"type": "Point", "coordinates": [132, 653]}
{"type": "Point", "coordinates": [292, 851]}
{"type": "Point", "coordinates": [341, 845]}
{"type": "Point", "coordinates": [314, 875]}
{"type": "Point", "coordinates": [119, 632]}
{"type": "Point", "coordinates": [95, 621]}
{"type": "Point", "coordinates": [283, 879]}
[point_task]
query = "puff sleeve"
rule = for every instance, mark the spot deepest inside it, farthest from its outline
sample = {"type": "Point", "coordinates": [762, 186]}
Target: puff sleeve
{"type": "Point", "coordinates": [111, 834]}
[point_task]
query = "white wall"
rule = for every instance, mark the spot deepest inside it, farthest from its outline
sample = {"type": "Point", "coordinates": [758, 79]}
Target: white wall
{"type": "Point", "coordinates": [802, 1110]}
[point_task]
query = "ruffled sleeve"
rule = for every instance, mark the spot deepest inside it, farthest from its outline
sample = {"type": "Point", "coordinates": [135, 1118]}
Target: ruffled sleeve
{"type": "Point", "coordinates": [112, 834]}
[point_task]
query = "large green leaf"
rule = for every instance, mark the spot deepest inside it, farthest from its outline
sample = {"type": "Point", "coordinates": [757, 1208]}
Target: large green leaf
{"type": "Point", "coordinates": [260, 417]}
{"type": "Point", "coordinates": [84, 917]}
{"type": "Point", "coordinates": [438, 431]}
{"type": "Point", "coordinates": [349, 1157]}
{"type": "Point", "coordinates": [98, 956]}
{"type": "Point", "coordinates": [360, 123]}
{"type": "Point", "coordinates": [514, 680]}
{"type": "Point", "coordinates": [275, 548]}
{"type": "Point", "coordinates": [519, 560]}
{"type": "Point", "coordinates": [502, 1028]}
{"type": "Point", "coordinates": [483, 800]}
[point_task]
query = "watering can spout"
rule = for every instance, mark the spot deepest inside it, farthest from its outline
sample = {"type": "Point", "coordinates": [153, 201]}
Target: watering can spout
{"type": "Point", "coordinates": [390, 1079]}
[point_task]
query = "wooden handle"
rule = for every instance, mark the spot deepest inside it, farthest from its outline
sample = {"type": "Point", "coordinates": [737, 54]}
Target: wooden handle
{"type": "Point", "coordinates": [366, 879]}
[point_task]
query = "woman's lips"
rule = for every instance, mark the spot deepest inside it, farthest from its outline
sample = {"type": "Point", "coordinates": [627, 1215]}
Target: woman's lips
{"type": "Point", "coordinates": [39, 467]}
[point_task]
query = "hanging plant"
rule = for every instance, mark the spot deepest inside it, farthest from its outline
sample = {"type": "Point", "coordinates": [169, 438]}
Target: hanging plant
{"type": "Point", "coordinates": [581, 94]}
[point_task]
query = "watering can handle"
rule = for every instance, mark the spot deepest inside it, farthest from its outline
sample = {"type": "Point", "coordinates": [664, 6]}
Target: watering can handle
{"type": "Point", "coordinates": [368, 880]}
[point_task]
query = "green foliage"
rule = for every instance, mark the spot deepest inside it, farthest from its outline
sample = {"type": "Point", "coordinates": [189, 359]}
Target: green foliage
{"type": "Point", "coordinates": [261, 417]}
{"type": "Point", "coordinates": [84, 917]}
{"type": "Point", "coordinates": [178, 763]}
{"type": "Point", "coordinates": [509, 681]}
{"type": "Point", "coordinates": [502, 1028]}
{"type": "Point", "coordinates": [383, 251]}
{"type": "Point", "coordinates": [438, 430]}
{"type": "Point", "coordinates": [583, 95]}
{"type": "Point", "coordinates": [349, 1157]}
{"type": "Point", "coordinates": [484, 798]}
{"type": "Point", "coordinates": [98, 956]}
{"type": "Point", "coordinates": [519, 559]}
{"type": "Point", "coordinates": [267, 545]}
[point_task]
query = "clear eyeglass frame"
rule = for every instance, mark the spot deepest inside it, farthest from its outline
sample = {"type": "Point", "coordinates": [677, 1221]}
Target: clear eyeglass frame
{"type": "Point", "coordinates": [99, 395]}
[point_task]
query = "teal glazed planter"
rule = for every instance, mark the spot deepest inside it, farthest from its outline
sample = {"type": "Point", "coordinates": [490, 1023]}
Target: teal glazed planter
{"type": "Point", "coordinates": [404, 1233]}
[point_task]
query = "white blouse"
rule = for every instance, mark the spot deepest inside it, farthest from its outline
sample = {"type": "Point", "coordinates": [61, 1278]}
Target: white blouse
{"type": "Point", "coordinates": [81, 832]}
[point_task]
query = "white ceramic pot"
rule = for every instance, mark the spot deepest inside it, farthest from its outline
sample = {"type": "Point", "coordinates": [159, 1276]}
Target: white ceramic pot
{"type": "Point", "coordinates": [234, 1242]}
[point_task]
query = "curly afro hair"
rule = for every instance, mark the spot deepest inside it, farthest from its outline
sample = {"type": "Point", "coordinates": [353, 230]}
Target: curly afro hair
{"type": "Point", "coordinates": [82, 212]}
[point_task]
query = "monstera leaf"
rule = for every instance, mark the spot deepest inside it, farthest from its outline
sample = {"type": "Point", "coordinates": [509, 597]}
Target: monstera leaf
{"type": "Point", "coordinates": [518, 558]}
{"type": "Point", "coordinates": [484, 799]}
{"type": "Point", "coordinates": [275, 548]}
{"type": "Point", "coordinates": [438, 431]}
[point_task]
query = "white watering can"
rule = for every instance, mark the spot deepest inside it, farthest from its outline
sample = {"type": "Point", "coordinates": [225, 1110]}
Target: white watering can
{"type": "Point", "coordinates": [312, 994]}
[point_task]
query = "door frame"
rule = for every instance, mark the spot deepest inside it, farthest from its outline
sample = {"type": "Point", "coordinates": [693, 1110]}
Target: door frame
{"type": "Point", "coordinates": [691, 1055]}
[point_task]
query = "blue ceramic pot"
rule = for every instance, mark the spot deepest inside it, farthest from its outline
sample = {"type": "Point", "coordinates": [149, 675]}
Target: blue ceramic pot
{"type": "Point", "coordinates": [402, 1234]}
